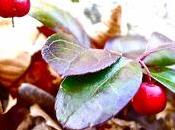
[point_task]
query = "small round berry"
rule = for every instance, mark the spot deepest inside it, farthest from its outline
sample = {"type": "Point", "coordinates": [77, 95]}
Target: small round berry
{"type": "Point", "coordinates": [21, 7]}
{"type": "Point", "coordinates": [6, 8]}
{"type": "Point", "coordinates": [14, 8]}
{"type": "Point", "coordinates": [150, 99]}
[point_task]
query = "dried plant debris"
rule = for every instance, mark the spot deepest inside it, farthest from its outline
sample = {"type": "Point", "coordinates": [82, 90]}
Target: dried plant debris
{"type": "Point", "coordinates": [34, 95]}
{"type": "Point", "coordinates": [34, 123]}
{"type": "Point", "coordinates": [109, 28]}
{"type": "Point", "coordinates": [12, 119]}
{"type": "Point", "coordinates": [36, 111]}
{"type": "Point", "coordinates": [6, 100]}
{"type": "Point", "coordinates": [37, 119]}
{"type": "Point", "coordinates": [119, 124]}
{"type": "Point", "coordinates": [11, 68]}
{"type": "Point", "coordinates": [38, 74]}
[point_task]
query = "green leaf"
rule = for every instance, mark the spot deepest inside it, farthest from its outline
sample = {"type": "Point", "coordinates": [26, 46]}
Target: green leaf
{"type": "Point", "coordinates": [131, 46]}
{"type": "Point", "coordinates": [160, 51]}
{"type": "Point", "coordinates": [164, 57]}
{"type": "Point", "coordinates": [68, 58]}
{"type": "Point", "coordinates": [89, 100]}
{"type": "Point", "coordinates": [165, 76]}
{"type": "Point", "coordinates": [57, 19]}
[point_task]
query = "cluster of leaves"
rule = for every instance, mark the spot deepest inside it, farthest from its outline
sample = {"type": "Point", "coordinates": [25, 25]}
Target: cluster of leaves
{"type": "Point", "coordinates": [98, 83]}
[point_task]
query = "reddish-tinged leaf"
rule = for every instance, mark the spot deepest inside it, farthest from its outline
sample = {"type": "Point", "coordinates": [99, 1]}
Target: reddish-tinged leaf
{"type": "Point", "coordinates": [157, 40]}
{"type": "Point", "coordinates": [130, 46]}
{"type": "Point", "coordinates": [68, 58]}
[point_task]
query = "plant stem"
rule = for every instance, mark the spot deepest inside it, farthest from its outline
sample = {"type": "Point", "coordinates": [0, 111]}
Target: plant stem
{"type": "Point", "coordinates": [146, 69]}
{"type": "Point", "coordinates": [13, 23]}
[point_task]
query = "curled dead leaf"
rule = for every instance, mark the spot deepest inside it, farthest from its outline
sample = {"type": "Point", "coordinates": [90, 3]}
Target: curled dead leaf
{"type": "Point", "coordinates": [32, 94]}
{"type": "Point", "coordinates": [12, 68]}
{"type": "Point", "coordinates": [35, 111]}
{"type": "Point", "coordinates": [6, 100]}
{"type": "Point", "coordinates": [15, 46]}
{"type": "Point", "coordinates": [109, 28]}
{"type": "Point", "coordinates": [39, 74]}
{"type": "Point", "coordinates": [34, 123]}
{"type": "Point", "coordinates": [13, 117]}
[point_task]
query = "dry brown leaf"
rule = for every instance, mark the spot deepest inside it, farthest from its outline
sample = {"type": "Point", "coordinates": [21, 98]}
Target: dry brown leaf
{"type": "Point", "coordinates": [42, 126]}
{"type": "Point", "coordinates": [12, 68]}
{"type": "Point", "coordinates": [35, 111]}
{"type": "Point", "coordinates": [109, 28]}
{"type": "Point", "coordinates": [38, 74]}
{"type": "Point", "coordinates": [13, 117]}
{"type": "Point", "coordinates": [25, 124]}
{"type": "Point", "coordinates": [6, 100]}
{"type": "Point", "coordinates": [16, 47]}
{"type": "Point", "coordinates": [1, 107]}
{"type": "Point", "coordinates": [119, 124]}
{"type": "Point", "coordinates": [34, 123]}
{"type": "Point", "coordinates": [31, 94]}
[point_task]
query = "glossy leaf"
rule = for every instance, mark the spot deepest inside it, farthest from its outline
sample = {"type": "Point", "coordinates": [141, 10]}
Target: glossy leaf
{"type": "Point", "coordinates": [129, 46]}
{"type": "Point", "coordinates": [88, 100]}
{"type": "Point", "coordinates": [160, 51]}
{"type": "Point", "coordinates": [162, 57]}
{"type": "Point", "coordinates": [68, 58]}
{"type": "Point", "coordinates": [165, 76]}
{"type": "Point", "coordinates": [54, 17]}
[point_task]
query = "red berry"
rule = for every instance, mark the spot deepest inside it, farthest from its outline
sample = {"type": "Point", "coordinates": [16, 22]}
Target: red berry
{"type": "Point", "coordinates": [150, 99]}
{"type": "Point", "coordinates": [14, 8]}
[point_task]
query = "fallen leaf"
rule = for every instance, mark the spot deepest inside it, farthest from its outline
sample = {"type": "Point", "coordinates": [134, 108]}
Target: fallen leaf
{"type": "Point", "coordinates": [6, 100]}
{"type": "Point", "coordinates": [34, 95]}
{"type": "Point", "coordinates": [107, 29]}
{"type": "Point", "coordinates": [40, 75]}
{"type": "Point", "coordinates": [35, 111]}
